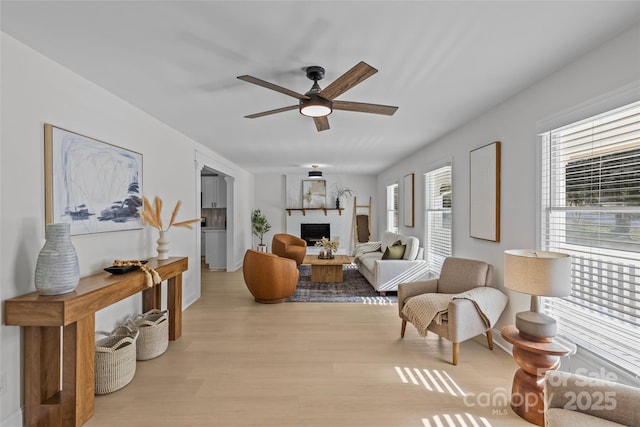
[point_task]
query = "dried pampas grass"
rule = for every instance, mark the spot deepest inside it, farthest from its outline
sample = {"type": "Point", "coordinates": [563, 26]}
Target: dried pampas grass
{"type": "Point", "coordinates": [152, 215]}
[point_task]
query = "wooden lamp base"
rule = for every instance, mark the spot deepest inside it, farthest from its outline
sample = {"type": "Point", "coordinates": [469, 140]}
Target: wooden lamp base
{"type": "Point", "coordinates": [535, 359]}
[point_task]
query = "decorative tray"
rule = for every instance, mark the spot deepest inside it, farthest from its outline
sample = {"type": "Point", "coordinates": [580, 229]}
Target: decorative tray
{"type": "Point", "coordinates": [123, 269]}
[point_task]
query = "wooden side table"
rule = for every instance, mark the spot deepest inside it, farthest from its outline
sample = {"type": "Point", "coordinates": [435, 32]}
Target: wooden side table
{"type": "Point", "coordinates": [534, 359]}
{"type": "Point", "coordinates": [49, 319]}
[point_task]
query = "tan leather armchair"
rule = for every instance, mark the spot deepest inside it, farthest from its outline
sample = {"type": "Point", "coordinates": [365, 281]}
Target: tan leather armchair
{"type": "Point", "coordinates": [270, 279]}
{"type": "Point", "coordinates": [289, 246]}
{"type": "Point", "coordinates": [468, 306]}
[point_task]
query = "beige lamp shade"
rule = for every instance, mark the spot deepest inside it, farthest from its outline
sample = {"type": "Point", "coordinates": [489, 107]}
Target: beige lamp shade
{"type": "Point", "coordinates": [540, 273]}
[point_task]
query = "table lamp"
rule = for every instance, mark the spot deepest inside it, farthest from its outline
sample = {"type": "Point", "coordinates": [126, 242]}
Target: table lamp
{"type": "Point", "coordinates": [537, 273]}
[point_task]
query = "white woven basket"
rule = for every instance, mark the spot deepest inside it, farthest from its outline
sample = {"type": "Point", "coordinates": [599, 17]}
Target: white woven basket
{"type": "Point", "coordinates": [115, 364]}
{"type": "Point", "coordinates": [154, 333]}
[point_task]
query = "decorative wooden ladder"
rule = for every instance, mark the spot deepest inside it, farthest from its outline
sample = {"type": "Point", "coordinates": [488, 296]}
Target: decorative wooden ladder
{"type": "Point", "coordinates": [361, 219]}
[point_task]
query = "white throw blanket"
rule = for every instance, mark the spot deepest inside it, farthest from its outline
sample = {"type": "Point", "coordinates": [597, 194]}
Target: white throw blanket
{"type": "Point", "coordinates": [363, 248]}
{"type": "Point", "coordinates": [423, 309]}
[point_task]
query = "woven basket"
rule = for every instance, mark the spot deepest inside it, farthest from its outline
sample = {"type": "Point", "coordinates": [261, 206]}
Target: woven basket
{"type": "Point", "coordinates": [154, 333]}
{"type": "Point", "coordinates": [115, 363]}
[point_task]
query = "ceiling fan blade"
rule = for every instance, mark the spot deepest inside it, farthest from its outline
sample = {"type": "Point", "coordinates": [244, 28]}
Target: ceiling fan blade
{"type": "Point", "coordinates": [322, 123]}
{"type": "Point", "coordinates": [277, 110]}
{"type": "Point", "coordinates": [362, 107]}
{"type": "Point", "coordinates": [272, 86]}
{"type": "Point", "coordinates": [357, 74]}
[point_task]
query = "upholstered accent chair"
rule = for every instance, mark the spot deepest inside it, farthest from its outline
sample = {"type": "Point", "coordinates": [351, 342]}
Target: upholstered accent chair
{"type": "Point", "coordinates": [270, 279]}
{"type": "Point", "coordinates": [289, 246]}
{"type": "Point", "coordinates": [607, 404]}
{"type": "Point", "coordinates": [458, 305]}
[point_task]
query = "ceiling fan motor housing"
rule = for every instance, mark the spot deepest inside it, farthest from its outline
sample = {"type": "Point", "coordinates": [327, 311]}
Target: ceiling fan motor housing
{"type": "Point", "coordinates": [315, 73]}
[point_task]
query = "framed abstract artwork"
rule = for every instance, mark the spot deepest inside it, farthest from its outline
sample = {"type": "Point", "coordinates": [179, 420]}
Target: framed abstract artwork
{"type": "Point", "coordinates": [314, 193]}
{"type": "Point", "coordinates": [484, 192]}
{"type": "Point", "coordinates": [408, 200]}
{"type": "Point", "coordinates": [93, 185]}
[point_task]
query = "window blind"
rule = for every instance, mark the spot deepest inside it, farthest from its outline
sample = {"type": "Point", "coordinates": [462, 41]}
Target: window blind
{"type": "Point", "coordinates": [591, 210]}
{"type": "Point", "coordinates": [438, 217]}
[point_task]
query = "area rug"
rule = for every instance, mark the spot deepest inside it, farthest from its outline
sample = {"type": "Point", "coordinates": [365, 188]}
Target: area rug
{"type": "Point", "coordinates": [355, 288]}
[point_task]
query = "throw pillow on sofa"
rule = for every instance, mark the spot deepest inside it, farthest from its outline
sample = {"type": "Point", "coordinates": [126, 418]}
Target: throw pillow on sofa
{"type": "Point", "coordinates": [395, 251]}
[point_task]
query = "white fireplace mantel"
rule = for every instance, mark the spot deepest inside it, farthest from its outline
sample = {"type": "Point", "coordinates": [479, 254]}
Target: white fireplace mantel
{"type": "Point", "coordinates": [304, 210]}
{"type": "Point", "coordinates": [323, 216]}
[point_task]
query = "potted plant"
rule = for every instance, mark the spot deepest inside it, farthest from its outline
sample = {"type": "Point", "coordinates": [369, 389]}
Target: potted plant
{"type": "Point", "coordinates": [329, 246]}
{"type": "Point", "coordinates": [342, 191]}
{"type": "Point", "coordinates": [259, 226]}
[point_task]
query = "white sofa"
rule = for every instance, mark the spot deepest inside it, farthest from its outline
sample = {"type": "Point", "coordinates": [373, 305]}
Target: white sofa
{"type": "Point", "coordinates": [385, 275]}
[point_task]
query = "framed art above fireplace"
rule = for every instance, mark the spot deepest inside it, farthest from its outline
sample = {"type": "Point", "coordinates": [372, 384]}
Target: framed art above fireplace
{"type": "Point", "coordinates": [314, 193]}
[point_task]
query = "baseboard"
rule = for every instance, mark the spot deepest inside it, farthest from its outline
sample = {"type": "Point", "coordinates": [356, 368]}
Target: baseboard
{"type": "Point", "coordinates": [13, 420]}
{"type": "Point", "coordinates": [501, 342]}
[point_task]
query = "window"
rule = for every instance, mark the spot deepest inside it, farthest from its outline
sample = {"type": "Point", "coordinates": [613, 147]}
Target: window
{"type": "Point", "coordinates": [392, 207]}
{"type": "Point", "coordinates": [591, 210]}
{"type": "Point", "coordinates": [437, 217]}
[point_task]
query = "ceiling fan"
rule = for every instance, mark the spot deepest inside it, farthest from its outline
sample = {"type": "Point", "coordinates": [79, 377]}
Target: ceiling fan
{"type": "Point", "coordinates": [319, 103]}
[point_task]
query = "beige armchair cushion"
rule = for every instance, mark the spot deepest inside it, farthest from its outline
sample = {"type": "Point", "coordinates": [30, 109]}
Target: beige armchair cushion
{"type": "Point", "coordinates": [460, 274]}
{"type": "Point", "coordinates": [463, 318]}
{"type": "Point", "coordinates": [609, 403]}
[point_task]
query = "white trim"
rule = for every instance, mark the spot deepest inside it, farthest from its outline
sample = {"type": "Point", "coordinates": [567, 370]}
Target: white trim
{"type": "Point", "coordinates": [622, 96]}
{"type": "Point", "coordinates": [616, 100]}
{"type": "Point", "coordinates": [437, 165]}
{"type": "Point", "coordinates": [13, 420]}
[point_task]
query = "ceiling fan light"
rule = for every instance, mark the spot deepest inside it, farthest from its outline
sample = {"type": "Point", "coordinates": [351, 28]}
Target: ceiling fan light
{"type": "Point", "coordinates": [315, 173]}
{"type": "Point", "coordinates": [315, 106]}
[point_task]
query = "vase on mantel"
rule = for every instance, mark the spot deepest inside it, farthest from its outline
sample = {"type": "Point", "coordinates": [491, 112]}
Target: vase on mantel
{"type": "Point", "coordinates": [57, 270]}
{"type": "Point", "coordinates": [163, 245]}
{"type": "Point", "coordinates": [337, 202]}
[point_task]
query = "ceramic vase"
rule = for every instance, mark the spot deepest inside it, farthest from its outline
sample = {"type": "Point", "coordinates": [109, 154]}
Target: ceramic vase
{"type": "Point", "coordinates": [57, 269]}
{"type": "Point", "coordinates": [163, 246]}
{"type": "Point", "coordinates": [329, 254]}
{"type": "Point", "coordinates": [337, 203]}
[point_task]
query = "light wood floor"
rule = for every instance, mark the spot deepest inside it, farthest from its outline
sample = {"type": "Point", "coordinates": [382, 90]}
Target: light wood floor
{"type": "Point", "coordinates": [240, 363]}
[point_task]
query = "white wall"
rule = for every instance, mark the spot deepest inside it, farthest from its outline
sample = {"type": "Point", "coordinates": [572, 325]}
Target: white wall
{"type": "Point", "coordinates": [604, 70]}
{"type": "Point", "coordinates": [36, 90]}
{"type": "Point", "coordinates": [275, 193]}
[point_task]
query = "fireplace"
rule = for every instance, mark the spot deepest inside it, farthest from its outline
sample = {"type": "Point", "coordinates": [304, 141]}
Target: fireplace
{"type": "Point", "coordinates": [312, 233]}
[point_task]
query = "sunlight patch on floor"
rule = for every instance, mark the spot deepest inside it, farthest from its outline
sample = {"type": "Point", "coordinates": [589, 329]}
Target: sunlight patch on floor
{"type": "Point", "coordinates": [431, 379]}
{"type": "Point", "coordinates": [377, 301]}
{"type": "Point", "coordinates": [455, 420]}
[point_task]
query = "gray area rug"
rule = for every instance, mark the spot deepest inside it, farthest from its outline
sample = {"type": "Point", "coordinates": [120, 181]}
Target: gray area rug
{"type": "Point", "coordinates": [355, 288]}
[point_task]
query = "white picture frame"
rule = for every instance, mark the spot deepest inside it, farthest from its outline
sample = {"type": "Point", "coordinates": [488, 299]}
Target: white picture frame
{"type": "Point", "coordinates": [92, 185]}
{"type": "Point", "coordinates": [408, 213]}
{"type": "Point", "coordinates": [484, 192]}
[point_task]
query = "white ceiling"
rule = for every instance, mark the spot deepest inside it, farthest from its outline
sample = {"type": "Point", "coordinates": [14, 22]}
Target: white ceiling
{"type": "Point", "coordinates": [441, 62]}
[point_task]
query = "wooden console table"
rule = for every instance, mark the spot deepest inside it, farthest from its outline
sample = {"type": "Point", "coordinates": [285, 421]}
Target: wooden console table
{"type": "Point", "coordinates": [534, 359]}
{"type": "Point", "coordinates": [71, 316]}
